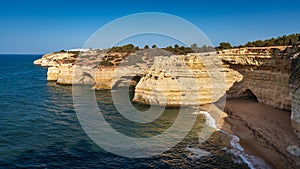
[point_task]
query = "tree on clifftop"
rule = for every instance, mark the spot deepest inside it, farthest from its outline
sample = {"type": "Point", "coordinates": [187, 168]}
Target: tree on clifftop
{"type": "Point", "coordinates": [224, 45]}
{"type": "Point", "coordinates": [194, 46]}
{"type": "Point", "coordinates": [285, 40]}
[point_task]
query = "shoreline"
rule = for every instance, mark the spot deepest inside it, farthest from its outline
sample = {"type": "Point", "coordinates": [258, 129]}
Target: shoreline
{"type": "Point", "coordinates": [264, 131]}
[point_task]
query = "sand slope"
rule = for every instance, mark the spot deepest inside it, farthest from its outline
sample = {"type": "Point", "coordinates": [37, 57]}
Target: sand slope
{"type": "Point", "coordinates": [264, 131]}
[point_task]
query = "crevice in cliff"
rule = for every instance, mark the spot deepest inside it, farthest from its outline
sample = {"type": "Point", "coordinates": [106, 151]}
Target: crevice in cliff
{"type": "Point", "coordinates": [132, 88]}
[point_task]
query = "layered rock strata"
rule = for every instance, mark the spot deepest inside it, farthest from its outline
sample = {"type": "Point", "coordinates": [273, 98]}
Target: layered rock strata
{"type": "Point", "coordinates": [271, 75]}
{"type": "Point", "coordinates": [101, 69]}
{"type": "Point", "coordinates": [192, 79]}
{"type": "Point", "coordinates": [265, 75]}
{"type": "Point", "coordinates": [295, 92]}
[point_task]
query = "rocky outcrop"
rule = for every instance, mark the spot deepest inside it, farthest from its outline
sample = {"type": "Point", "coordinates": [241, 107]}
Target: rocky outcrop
{"type": "Point", "coordinates": [262, 72]}
{"type": "Point", "coordinates": [100, 68]}
{"type": "Point", "coordinates": [265, 75]}
{"type": "Point", "coordinates": [53, 59]}
{"type": "Point", "coordinates": [274, 78]}
{"type": "Point", "coordinates": [104, 78]}
{"type": "Point", "coordinates": [192, 79]}
{"type": "Point", "coordinates": [270, 75]}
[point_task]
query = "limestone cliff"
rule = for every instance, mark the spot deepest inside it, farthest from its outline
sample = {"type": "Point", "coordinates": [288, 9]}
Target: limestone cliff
{"type": "Point", "coordinates": [271, 75]}
{"type": "Point", "coordinates": [261, 73]}
{"type": "Point", "coordinates": [100, 68]}
{"type": "Point", "coordinates": [55, 58]}
{"type": "Point", "coordinates": [265, 74]}
{"type": "Point", "coordinates": [101, 77]}
{"type": "Point", "coordinates": [295, 92]}
{"type": "Point", "coordinates": [191, 79]}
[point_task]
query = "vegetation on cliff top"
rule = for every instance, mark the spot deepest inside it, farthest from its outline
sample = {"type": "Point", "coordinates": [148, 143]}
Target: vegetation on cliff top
{"type": "Point", "coordinates": [176, 49]}
{"type": "Point", "coordinates": [129, 48]}
{"type": "Point", "coordinates": [285, 40]}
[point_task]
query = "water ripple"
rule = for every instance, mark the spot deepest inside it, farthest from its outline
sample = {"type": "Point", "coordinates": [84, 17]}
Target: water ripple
{"type": "Point", "coordinates": [39, 128]}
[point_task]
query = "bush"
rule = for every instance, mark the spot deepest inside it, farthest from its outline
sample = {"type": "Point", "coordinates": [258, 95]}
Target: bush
{"type": "Point", "coordinates": [129, 48]}
{"type": "Point", "coordinates": [285, 40]}
{"type": "Point", "coordinates": [224, 45]}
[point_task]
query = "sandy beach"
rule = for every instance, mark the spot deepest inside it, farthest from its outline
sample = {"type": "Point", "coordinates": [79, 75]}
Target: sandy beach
{"type": "Point", "coordinates": [264, 131]}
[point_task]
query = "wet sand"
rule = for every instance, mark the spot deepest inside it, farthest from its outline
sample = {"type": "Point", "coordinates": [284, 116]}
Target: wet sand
{"type": "Point", "coordinates": [264, 131]}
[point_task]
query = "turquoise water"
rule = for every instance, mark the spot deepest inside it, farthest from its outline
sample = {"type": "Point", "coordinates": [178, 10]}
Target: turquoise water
{"type": "Point", "coordinates": [39, 128]}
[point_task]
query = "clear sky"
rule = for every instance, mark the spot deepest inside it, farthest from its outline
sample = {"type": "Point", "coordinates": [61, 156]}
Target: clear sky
{"type": "Point", "coordinates": [38, 26]}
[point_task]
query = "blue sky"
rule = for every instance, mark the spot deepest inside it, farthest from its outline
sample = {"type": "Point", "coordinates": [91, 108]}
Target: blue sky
{"type": "Point", "coordinates": [43, 26]}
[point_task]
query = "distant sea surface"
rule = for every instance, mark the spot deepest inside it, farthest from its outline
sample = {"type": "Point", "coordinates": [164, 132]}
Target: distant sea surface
{"type": "Point", "coordinates": [39, 128]}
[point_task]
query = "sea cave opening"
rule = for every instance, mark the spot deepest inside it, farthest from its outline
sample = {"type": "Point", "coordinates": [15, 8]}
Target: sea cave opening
{"type": "Point", "coordinates": [249, 95]}
{"type": "Point", "coordinates": [132, 87]}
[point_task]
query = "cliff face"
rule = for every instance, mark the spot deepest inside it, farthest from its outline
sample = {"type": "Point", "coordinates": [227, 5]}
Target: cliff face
{"type": "Point", "coordinates": [191, 79]}
{"type": "Point", "coordinates": [262, 74]}
{"type": "Point", "coordinates": [68, 75]}
{"type": "Point", "coordinates": [265, 76]}
{"type": "Point", "coordinates": [101, 69]}
{"type": "Point", "coordinates": [295, 92]}
{"type": "Point", "coordinates": [270, 75]}
{"type": "Point", "coordinates": [99, 78]}
{"type": "Point", "coordinates": [195, 79]}
{"type": "Point", "coordinates": [53, 59]}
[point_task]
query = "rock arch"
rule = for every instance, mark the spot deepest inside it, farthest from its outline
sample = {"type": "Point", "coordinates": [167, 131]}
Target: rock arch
{"type": "Point", "coordinates": [127, 81]}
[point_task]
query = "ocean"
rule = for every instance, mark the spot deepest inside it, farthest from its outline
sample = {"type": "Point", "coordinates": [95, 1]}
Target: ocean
{"type": "Point", "coordinates": [39, 128]}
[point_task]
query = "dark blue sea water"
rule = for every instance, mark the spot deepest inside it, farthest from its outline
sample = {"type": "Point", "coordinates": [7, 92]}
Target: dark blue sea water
{"type": "Point", "coordinates": [39, 128]}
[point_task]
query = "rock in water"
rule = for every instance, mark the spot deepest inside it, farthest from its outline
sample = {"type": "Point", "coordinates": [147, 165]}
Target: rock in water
{"type": "Point", "coordinates": [294, 150]}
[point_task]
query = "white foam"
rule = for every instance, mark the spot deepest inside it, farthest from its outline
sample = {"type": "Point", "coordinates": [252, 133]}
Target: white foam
{"type": "Point", "coordinates": [251, 161]}
{"type": "Point", "coordinates": [235, 142]}
{"type": "Point", "coordinates": [197, 152]}
{"type": "Point", "coordinates": [210, 121]}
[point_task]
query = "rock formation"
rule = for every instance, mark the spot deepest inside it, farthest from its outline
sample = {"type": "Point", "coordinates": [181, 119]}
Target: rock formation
{"type": "Point", "coordinates": [100, 68]}
{"type": "Point", "coordinates": [295, 92]}
{"type": "Point", "coordinates": [191, 79]}
{"type": "Point", "coordinates": [270, 75]}
{"type": "Point", "coordinates": [266, 75]}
